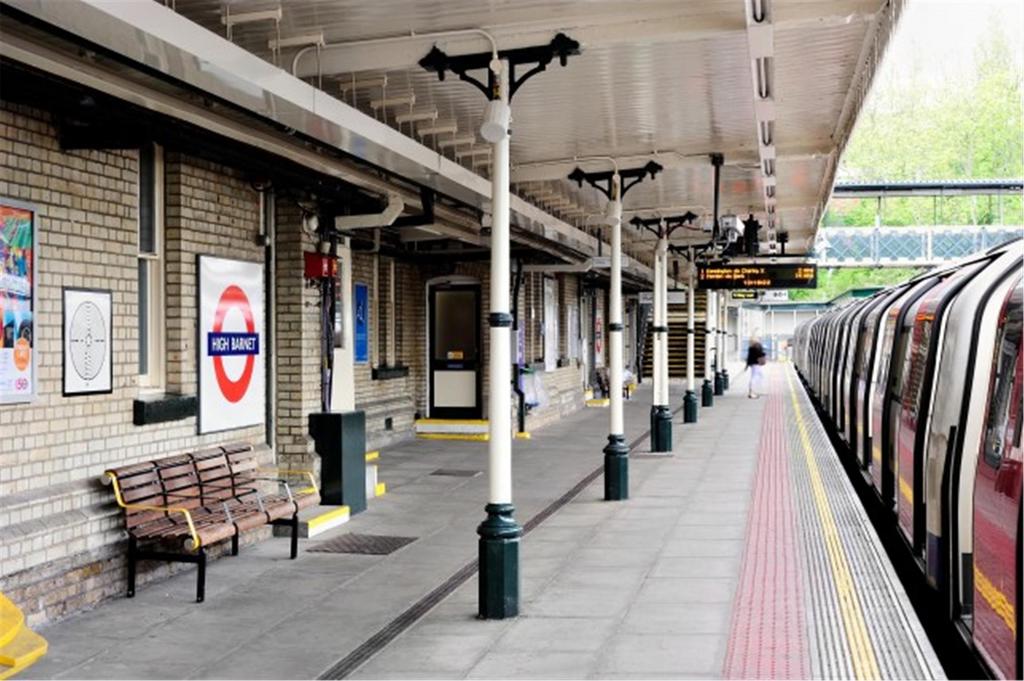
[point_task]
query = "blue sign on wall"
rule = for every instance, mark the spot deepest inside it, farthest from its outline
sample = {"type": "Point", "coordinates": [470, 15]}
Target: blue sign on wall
{"type": "Point", "coordinates": [362, 323]}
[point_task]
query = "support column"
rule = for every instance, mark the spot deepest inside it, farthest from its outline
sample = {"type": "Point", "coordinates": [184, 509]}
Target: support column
{"type": "Point", "coordinates": [499, 533]}
{"type": "Point", "coordinates": [725, 341]}
{"type": "Point", "coordinates": [661, 414]}
{"type": "Point", "coordinates": [616, 453]}
{"type": "Point", "coordinates": [719, 377]}
{"type": "Point", "coordinates": [690, 399]}
{"type": "Point", "coordinates": [707, 390]}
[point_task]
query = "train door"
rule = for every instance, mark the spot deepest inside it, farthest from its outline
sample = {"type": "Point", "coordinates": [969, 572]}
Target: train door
{"type": "Point", "coordinates": [996, 624]}
{"type": "Point", "coordinates": [454, 350]}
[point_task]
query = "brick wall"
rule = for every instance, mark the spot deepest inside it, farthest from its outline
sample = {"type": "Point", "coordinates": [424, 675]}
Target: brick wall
{"type": "Point", "coordinates": [297, 346]}
{"type": "Point", "coordinates": [56, 518]}
{"type": "Point", "coordinates": [397, 399]}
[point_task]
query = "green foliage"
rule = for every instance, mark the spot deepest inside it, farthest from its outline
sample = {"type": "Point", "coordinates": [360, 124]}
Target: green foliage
{"type": "Point", "coordinates": [967, 125]}
{"type": "Point", "coordinates": [836, 281]}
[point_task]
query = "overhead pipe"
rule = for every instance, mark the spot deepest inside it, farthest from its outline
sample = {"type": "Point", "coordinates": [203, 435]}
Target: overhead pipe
{"type": "Point", "coordinates": [392, 39]}
{"type": "Point", "coordinates": [385, 218]}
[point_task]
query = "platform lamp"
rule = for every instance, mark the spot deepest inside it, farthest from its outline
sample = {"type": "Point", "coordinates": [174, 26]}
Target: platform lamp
{"type": "Point", "coordinates": [499, 533]}
{"type": "Point", "coordinates": [614, 184]}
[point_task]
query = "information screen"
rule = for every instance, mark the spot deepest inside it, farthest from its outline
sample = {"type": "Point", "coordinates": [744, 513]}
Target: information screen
{"type": "Point", "coordinates": [744, 294]}
{"type": "Point", "coordinates": [756, 276]}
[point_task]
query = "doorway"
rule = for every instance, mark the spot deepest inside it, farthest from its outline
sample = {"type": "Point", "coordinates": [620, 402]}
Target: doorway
{"type": "Point", "coordinates": [454, 351]}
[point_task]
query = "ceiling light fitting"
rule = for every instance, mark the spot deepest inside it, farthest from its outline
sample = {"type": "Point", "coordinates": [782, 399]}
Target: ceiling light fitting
{"type": "Point", "coordinates": [456, 141]}
{"type": "Point", "coordinates": [415, 116]}
{"type": "Point", "coordinates": [388, 102]}
{"type": "Point", "coordinates": [230, 20]}
{"type": "Point", "coordinates": [438, 128]}
{"type": "Point", "coordinates": [364, 84]}
{"type": "Point", "coordinates": [310, 39]}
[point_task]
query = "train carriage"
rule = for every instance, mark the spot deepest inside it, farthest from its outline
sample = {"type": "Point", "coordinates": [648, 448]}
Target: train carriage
{"type": "Point", "coordinates": [924, 383]}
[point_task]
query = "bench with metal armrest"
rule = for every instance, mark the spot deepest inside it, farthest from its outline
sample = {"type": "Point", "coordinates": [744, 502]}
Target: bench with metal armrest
{"type": "Point", "coordinates": [195, 500]}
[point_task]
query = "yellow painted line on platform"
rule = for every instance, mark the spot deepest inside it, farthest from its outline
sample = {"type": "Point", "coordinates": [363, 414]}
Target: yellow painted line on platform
{"type": "Point", "coordinates": [380, 490]}
{"type": "Point", "coordinates": [317, 521]}
{"type": "Point", "coordinates": [600, 402]}
{"type": "Point", "coordinates": [523, 436]}
{"type": "Point", "coordinates": [996, 599]}
{"type": "Point", "coordinates": [865, 664]}
{"type": "Point", "coordinates": [372, 456]}
{"type": "Point", "coordinates": [475, 437]}
{"type": "Point", "coordinates": [452, 422]}
{"type": "Point", "coordinates": [906, 491]}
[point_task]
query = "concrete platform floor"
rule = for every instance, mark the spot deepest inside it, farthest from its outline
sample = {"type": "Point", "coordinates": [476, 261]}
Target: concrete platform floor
{"type": "Point", "coordinates": [648, 588]}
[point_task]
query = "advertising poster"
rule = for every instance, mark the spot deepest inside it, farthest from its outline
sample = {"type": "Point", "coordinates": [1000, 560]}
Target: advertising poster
{"type": "Point", "coordinates": [361, 309]}
{"type": "Point", "coordinates": [232, 359]}
{"type": "Point", "coordinates": [599, 338]}
{"type": "Point", "coordinates": [88, 334]}
{"type": "Point", "coordinates": [17, 302]}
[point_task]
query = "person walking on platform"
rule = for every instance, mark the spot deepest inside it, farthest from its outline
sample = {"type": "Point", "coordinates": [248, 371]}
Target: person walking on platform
{"type": "Point", "coordinates": [755, 362]}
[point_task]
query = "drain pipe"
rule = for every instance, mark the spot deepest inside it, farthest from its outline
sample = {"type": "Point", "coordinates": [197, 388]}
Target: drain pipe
{"type": "Point", "coordinates": [516, 388]}
{"type": "Point", "coordinates": [375, 221]}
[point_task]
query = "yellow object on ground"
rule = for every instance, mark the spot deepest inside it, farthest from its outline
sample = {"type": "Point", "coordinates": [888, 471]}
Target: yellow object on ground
{"type": "Point", "coordinates": [20, 647]}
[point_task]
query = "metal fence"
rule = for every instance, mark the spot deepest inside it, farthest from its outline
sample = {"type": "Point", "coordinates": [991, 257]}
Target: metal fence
{"type": "Point", "coordinates": [906, 246]}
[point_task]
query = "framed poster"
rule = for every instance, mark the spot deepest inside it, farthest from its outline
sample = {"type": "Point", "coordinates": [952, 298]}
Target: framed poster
{"type": "Point", "coordinates": [232, 359]}
{"type": "Point", "coordinates": [361, 308]}
{"type": "Point", "coordinates": [18, 252]}
{"type": "Point", "coordinates": [87, 341]}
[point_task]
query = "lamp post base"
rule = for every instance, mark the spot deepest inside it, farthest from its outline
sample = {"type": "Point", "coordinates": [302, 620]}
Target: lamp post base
{"type": "Point", "coordinates": [707, 394]}
{"type": "Point", "coordinates": [661, 429]}
{"type": "Point", "coordinates": [690, 407]}
{"type": "Point", "coordinates": [725, 379]}
{"type": "Point", "coordinates": [719, 384]}
{"type": "Point", "coordinates": [499, 563]}
{"type": "Point", "coordinates": [616, 469]}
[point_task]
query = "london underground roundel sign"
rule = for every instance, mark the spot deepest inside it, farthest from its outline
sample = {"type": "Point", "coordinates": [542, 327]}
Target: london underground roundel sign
{"type": "Point", "coordinates": [232, 362]}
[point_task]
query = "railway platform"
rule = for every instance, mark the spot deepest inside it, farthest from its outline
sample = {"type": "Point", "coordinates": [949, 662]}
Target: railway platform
{"type": "Point", "coordinates": [744, 554]}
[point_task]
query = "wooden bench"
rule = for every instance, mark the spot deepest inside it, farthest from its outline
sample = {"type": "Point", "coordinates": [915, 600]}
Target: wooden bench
{"type": "Point", "coordinates": [195, 500]}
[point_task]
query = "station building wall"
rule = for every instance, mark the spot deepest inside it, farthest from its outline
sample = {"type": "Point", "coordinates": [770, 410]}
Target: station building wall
{"type": "Point", "coordinates": [60, 533]}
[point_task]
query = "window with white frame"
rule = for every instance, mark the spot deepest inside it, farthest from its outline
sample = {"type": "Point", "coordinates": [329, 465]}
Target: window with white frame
{"type": "Point", "coordinates": [151, 268]}
{"type": "Point", "coordinates": [550, 324]}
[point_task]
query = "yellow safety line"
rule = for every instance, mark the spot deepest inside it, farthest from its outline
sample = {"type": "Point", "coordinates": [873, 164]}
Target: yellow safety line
{"type": "Point", "coordinates": [472, 437]}
{"type": "Point", "coordinates": [865, 665]}
{"type": "Point", "coordinates": [907, 491]}
{"type": "Point", "coordinates": [996, 599]}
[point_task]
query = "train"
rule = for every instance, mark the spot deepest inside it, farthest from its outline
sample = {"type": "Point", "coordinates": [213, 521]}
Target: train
{"type": "Point", "coordinates": [922, 382]}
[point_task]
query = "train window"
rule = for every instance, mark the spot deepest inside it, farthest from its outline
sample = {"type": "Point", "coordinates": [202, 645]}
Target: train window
{"type": "Point", "coordinates": [997, 428]}
{"type": "Point", "coordinates": [918, 359]}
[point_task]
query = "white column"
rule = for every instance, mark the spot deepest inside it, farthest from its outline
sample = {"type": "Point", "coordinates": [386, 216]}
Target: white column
{"type": "Point", "coordinates": [691, 295]}
{"type": "Point", "coordinates": [709, 336]}
{"type": "Point", "coordinates": [499, 400]}
{"type": "Point", "coordinates": [663, 253]}
{"type": "Point", "coordinates": [657, 323]}
{"type": "Point", "coordinates": [724, 329]}
{"type": "Point", "coordinates": [615, 312]}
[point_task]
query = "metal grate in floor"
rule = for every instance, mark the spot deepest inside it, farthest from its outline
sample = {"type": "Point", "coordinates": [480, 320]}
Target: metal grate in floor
{"type": "Point", "coordinates": [367, 544]}
{"type": "Point", "coordinates": [456, 473]}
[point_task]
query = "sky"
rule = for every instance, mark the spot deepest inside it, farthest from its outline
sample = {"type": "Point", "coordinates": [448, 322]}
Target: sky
{"type": "Point", "coordinates": [942, 36]}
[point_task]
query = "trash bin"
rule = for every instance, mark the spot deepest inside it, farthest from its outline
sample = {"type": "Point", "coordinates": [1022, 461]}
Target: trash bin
{"type": "Point", "coordinates": [340, 441]}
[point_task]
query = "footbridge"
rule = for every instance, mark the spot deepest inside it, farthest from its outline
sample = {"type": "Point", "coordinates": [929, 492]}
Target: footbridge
{"type": "Point", "coordinates": [913, 246]}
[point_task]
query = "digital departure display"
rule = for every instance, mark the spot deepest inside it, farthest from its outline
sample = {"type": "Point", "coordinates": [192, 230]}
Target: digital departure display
{"type": "Point", "coordinates": [756, 276]}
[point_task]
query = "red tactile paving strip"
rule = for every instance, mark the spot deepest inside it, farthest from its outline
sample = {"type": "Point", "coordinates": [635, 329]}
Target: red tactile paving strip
{"type": "Point", "coordinates": [768, 637]}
